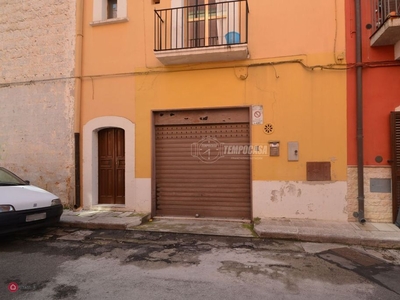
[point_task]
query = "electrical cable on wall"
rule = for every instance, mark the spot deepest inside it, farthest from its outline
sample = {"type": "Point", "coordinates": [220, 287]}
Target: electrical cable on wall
{"type": "Point", "coordinates": [331, 67]}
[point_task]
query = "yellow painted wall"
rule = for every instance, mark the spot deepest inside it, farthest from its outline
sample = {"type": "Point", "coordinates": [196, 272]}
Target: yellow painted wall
{"type": "Point", "coordinates": [308, 107]}
{"type": "Point", "coordinates": [305, 106]}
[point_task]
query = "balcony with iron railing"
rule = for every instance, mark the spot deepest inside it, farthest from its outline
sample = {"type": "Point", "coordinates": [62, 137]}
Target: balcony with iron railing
{"type": "Point", "coordinates": [386, 22]}
{"type": "Point", "coordinates": [214, 31]}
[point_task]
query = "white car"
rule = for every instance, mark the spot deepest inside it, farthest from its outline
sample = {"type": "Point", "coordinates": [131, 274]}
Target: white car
{"type": "Point", "coordinates": [24, 206]}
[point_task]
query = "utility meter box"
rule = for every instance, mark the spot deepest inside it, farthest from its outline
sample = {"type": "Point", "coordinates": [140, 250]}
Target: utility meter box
{"type": "Point", "coordinates": [293, 151]}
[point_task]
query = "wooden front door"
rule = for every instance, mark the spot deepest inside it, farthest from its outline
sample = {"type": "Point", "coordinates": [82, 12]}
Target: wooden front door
{"type": "Point", "coordinates": [395, 145]}
{"type": "Point", "coordinates": [111, 166]}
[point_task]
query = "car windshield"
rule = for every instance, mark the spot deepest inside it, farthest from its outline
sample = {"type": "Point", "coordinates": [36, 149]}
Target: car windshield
{"type": "Point", "coordinates": [7, 178]}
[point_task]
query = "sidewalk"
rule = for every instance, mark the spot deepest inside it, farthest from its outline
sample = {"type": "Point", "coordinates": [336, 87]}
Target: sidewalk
{"type": "Point", "coordinates": [381, 235]}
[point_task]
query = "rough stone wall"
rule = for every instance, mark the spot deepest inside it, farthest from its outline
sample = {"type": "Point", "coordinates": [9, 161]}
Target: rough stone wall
{"type": "Point", "coordinates": [37, 44]}
{"type": "Point", "coordinates": [377, 206]}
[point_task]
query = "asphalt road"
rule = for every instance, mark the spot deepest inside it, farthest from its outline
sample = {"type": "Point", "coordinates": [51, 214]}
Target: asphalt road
{"type": "Point", "coordinates": [59, 263]}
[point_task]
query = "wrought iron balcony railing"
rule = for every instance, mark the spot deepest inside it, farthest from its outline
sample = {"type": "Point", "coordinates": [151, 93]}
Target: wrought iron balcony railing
{"type": "Point", "coordinates": [383, 10]}
{"type": "Point", "coordinates": [214, 23]}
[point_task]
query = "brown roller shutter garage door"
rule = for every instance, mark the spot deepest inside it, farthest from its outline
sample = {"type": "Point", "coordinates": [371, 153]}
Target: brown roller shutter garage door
{"type": "Point", "coordinates": [195, 175]}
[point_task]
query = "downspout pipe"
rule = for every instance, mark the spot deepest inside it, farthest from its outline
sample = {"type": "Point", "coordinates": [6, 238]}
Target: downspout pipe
{"type": "Point", "coordinates": [360, 130]}
{"type": "Point", "coordinates": [78, 94]}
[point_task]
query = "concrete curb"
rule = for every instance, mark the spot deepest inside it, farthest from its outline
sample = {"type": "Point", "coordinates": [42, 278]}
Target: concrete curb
{"type": "Point", "coordinates": [354, 239]}
{"type": "Point", "coordinates": [382, 235]}
{"type": "Point", "coordinates": [369, 235]}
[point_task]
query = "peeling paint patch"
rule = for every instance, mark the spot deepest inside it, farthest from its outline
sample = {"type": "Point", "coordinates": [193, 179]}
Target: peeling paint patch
{"type": "Point", "coordinates": [274, 196]}
{"type": "Point", "coordinates": [291, 189]}
{"type": "Point", "coordinates": [288, 189]}
{"type": "Point", "coordinates": [292, 199]}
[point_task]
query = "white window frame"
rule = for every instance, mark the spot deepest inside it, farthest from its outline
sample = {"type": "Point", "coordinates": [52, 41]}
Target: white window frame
{"type": "Point", "coordinates": [100, 12]}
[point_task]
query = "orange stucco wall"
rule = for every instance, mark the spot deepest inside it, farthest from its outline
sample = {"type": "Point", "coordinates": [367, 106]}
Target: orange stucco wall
{"type": "Point", "coordinates": [288, 43]}
{"type": "Point", "coordinates": [122, 77]}
{"type": "Point", "coordinates": [381, 90]}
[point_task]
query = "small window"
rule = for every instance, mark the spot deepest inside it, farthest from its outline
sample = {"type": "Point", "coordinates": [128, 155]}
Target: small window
{"type": "Point", "coordinates": [112, 8]}
{"type": "Point", "coordinates": [109, 12]}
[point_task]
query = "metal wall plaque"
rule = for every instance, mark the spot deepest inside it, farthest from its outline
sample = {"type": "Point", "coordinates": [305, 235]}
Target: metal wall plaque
{"type": "Point", "coordinates": [380, 185]}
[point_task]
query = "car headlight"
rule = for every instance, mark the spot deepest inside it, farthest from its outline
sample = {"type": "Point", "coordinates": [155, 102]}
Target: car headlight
{"type": "Point", "coordinates": [6, 208]}
{"type": "Point", "coordinates": [55, 202]}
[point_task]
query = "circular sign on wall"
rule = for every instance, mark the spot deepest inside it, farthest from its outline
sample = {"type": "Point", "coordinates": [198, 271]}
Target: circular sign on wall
{"type": "Point", "coordinates": [268, 128]}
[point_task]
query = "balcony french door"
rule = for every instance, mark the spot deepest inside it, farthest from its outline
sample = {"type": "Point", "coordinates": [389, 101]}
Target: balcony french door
{"type": "Point", "coordinates": [202, 23]}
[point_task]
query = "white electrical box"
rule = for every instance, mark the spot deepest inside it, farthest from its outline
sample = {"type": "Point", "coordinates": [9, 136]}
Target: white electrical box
{"type": "Point", "coordinates": [293, 151]}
